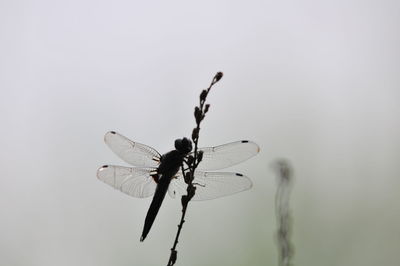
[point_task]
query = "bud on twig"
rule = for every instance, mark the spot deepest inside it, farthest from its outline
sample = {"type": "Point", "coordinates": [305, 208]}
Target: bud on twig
{"type": "Point", "coordinates": [173, 256]}
{"type": "Point", "coordinates": [206, 108]}
{"type": "Point", "coordinates": [184, 200]}
{"type": "Point", "coordinates": [198, 115]}
{"type": "Point", "coordinates": [190, 160]}
{"type": "Point", "coordinates": [199, 156]}
{"type": "Point", "coordinates": [187, 178]}
{"type": "Point", "coordinates": [218, 76]}
{"type": "Point", "coordinates": [191, 191]}
{"type": "Point", "coordinates": [195, 133]}
{"type": "Point", "coordinates": [203, 96]}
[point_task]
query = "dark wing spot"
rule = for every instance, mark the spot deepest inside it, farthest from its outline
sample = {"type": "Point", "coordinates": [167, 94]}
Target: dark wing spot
{"type": "Point", "coordinates": [104, 166]}
{"type": "Point", "coordinates": [239, 174]}
{"type": "Point", "coordinates": [112, 132]}
{"type": "Point", "coordinates": [245, 141]}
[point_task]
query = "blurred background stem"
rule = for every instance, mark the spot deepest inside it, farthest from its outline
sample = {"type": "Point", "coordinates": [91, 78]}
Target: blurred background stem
{"type": "Point", "coordinates": [283, 215]}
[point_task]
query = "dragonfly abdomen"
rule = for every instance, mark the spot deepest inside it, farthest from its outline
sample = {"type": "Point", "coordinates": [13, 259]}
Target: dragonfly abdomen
{"type": "Point", "coordinates": [161, 190]}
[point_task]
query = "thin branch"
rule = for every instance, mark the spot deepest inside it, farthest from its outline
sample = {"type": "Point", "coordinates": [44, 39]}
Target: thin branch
{"type": "Point", "coordinates": [199, 114]}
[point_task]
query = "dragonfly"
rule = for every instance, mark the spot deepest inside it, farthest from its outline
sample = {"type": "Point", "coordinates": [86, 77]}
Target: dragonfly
{"type": "Point", "coordinates": [156, 175]}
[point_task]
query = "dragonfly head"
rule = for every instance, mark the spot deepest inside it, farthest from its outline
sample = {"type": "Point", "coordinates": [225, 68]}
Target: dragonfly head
{"type": "Point", "coordinates": [183, 145]}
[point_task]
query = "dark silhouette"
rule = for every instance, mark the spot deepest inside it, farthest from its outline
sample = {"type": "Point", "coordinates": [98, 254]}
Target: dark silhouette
{"type": "Point", "coordinates": [169, 166]}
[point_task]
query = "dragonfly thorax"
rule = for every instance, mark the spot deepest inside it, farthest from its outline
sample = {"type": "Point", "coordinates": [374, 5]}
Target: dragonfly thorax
{"type": "Point", "coordinates": [170, 163]}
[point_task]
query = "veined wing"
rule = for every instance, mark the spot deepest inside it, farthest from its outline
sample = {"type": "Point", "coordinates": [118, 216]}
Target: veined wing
{"type": "Point", "coordinates": [223, 156]}
{"type": "Point", "coordinates": [134, 181]}
{"type": "Point", "coordinates": [132, 152]}
{"type": "Point", "coordinates": [211, 185]}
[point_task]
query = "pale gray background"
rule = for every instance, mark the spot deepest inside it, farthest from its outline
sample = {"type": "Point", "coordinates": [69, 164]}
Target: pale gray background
{"type": "Point", "coordinates": [316, 82]}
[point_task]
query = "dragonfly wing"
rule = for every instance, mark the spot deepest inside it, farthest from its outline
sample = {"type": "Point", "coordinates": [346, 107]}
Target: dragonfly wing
{"type": "Point", "coordinates": [132, 152]}
{"type": "Point", "coordinates": [223, 156]}
{"type": "Point", "coordinates": [134, 181]}
{"type": "Point", "coordinates": [211, 185]}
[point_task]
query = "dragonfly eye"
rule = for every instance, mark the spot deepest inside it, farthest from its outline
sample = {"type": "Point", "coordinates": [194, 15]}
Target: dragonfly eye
{"type": "Point", "coordinates": [183, 145]}
{"type": "Point", "coordinates": [187, 145]}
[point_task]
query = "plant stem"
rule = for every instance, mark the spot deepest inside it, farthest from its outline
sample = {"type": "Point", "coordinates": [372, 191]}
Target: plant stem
{"type": "Point", "coordinates": [200, 112]}
{"type": "Point", "coordinates": [283, 217]}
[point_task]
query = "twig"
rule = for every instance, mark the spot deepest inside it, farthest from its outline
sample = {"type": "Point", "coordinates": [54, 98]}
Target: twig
{"type": "Point", "coordinates": [284, 220]}
{"type": "Point", "coordinates": [193, 161]}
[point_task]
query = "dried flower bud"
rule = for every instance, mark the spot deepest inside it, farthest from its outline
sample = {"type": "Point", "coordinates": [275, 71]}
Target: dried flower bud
{"type": "Point", "coordinates": [198, 115]}
{"type": "Point", "coordinates": [218, 76]}
{"type": "Point", "coordinates": [173, 256]}
{"type": "Point", "coordinates": [190, 160]}
{"type": "Point", "coordinates": [206, 108]}
{"type": "Point", "coordinates": [199, 156]}
{"type": "Point", "coordinates": [184, 200]}
{"type": "Point", "coordinates": [191, 191]}
{"type": "Point", "coordinates": [203, 96]}
{"type": "Point", "coordinates": [187, 177]}
{"type": "Point", "coordinates": [195, 133]}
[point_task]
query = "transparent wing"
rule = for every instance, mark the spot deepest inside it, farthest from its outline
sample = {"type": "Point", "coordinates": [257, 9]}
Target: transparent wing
{"type": "Point", "coordinates": [211, 185]}
{"type": "Point", "coordinates": [134, 181]}
{"type": "Point", "coordinates": [132, 152]}
{"type": "Point", "coordinates": [223, 156]}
